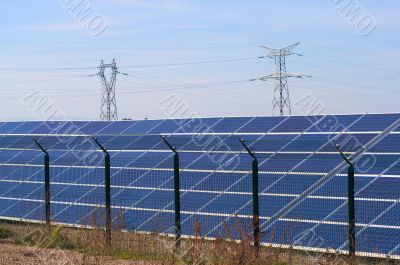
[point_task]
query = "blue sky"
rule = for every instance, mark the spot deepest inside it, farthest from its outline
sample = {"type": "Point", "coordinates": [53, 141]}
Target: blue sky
{"type": "Point", "coordinates": [351, 72]}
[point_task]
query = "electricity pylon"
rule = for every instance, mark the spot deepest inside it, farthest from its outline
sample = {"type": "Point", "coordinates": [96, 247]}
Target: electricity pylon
{"type": "Point", "coordinates": [108, 110]}
{"type": "Point", "coordinates": [281, 99]}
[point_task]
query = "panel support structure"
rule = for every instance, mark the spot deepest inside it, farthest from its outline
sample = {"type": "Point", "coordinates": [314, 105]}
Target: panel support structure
{"type": "Point", "coordinates": [256, 203]}
{"type": "Point", "coordinates": [107, 184]}
{"type": "Point", "coordinates": [351, 204]}
{"type": "Point", "coordinates": [177, 198]}
{"type": "Point", "coordinates": [46, 185]}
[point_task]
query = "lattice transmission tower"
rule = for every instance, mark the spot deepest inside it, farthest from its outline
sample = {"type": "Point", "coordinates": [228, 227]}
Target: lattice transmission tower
{"type": "Point", "coordinates": [281, 101]}
{"type": "Point", "coordinates": [108, 109]}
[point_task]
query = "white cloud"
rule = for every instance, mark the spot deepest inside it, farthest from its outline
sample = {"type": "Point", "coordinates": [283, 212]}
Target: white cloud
{"type": "Point", "coordinates": [67, 26]}
{"type": "Point", "coordinates": [169, 5]}
{"type": "Point", "coordinates": [71, 25]}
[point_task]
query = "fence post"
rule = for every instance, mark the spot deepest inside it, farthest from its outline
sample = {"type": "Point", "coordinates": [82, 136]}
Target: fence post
{"type": "Point", "coordinates": [46, 184]}
{"type": "Point", "coordinates": [352, 218]}
{"type": "Point", "coordinates": [256, 204]}
{"type": "Point", "coordinates": [176, 194]}
{"type": "Point", "coordinates": [107, 184]}
{"type": "Point", "coordinates": [351, 204]}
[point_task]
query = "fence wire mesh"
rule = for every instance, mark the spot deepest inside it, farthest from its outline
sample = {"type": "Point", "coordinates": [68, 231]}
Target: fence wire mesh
{"type": "Point", "coordinates": [302, 188]}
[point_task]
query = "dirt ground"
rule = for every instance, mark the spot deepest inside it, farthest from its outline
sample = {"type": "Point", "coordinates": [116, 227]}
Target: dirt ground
{"type": "Point", "coordinates": [23, 255]}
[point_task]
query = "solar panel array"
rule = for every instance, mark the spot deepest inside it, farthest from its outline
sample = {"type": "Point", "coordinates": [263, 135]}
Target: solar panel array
{"type": "Point", "coordinates": [302, 178]}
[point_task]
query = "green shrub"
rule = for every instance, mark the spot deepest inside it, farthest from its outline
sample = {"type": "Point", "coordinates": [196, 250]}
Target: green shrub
{"type": "Point", "coordinates": [5, 233]}
{"type": "Point", "coordinates": [121, 254]}
{"type": "Point", "coordinates": [24, 240]}
{"type": "Point", "coordinates": [280, 263]}
{"type": "Point", "coordinates": [59, 240]}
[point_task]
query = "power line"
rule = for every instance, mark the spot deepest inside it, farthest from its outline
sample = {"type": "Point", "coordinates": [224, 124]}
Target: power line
{"type": "Point", "coordinates": [130, 91]}
{"type": "Point", "coordinates": [43, 80]}
{"type": "Point", "coordinates": [48, 69]}
{"type": "Point", "coordinates": [205, 86]}
{"type": "Point", "coordinates": [194, 63]}
{"type": "Point", "coordinates": [360, 65]}
{"type": "Point", "coordinates": [144, 89]}
{"type": "Point", "coordinates": [131, 66]}
{"type": "Point", "coordinates": [358, 94]}
{"type": "Point", "coordinates": [33, 44]}
{"type": "Point", "coordinates": [179, 85]}
{"type": "Point", "coordinates": [355, 85]}
{"type": "Point", "coordinates": [347, 71]}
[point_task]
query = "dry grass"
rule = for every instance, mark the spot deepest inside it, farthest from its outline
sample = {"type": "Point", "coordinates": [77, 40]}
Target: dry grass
{"type": "Point", "coordinates": [85, 246]}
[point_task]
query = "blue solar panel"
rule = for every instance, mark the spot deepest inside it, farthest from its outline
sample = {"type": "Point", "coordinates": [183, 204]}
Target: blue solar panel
{"type": "Point", "coordinates": [374, 122]}
{"type": "Point", "coordinates": [8, 127]}
{"type": "Point", "coordinates": [116, 127]}
{"type": "Point", "coordinates": [145, 127]}
{"type": "Point", "coordinates": [388, 144]}
{"type": "Point", "coordinates": [92, 127]}
{"type": "Point", "coordinates": [294, 154]}
{"type": "Point", "coordinates": [197, 125]}
{"type": "Point", "coordinates": [334, 123]}
{"type": "Point", "coordinates": [230, 125]}
{"type": "Point", "coordinates": [297, 124]}
{"type": "Point", "coordinates": [261, 124]}
{"type": "Point", "coordinates": [26, 127]}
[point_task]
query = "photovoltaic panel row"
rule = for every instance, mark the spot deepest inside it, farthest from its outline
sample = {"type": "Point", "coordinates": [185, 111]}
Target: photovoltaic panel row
{"type": "Point", "coordinates": [375, 186]}
{"type": "Point", "coordinates": [213, 196]}
{"type": "Point", "coordinates": [283, 233]}
{"type": "Point", "coordinates": [207, 143]}
{"type": "Point", "coordinates": [328, 123]}
{"type": "Point", "coordinates": [272, 162]}
{"type": "Point", "coordinates": [208, 202]}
